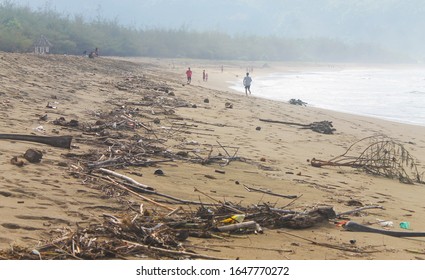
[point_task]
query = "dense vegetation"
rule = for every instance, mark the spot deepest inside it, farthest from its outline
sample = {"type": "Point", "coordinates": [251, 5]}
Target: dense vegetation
{"type": "Point", "coordinates": [21, 26]}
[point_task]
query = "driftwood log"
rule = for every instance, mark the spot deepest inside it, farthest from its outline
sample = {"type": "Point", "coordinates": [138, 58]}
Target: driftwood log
{"type": "Point", "coordinates": [55, 141]}
{"type": "Point", "coordinates": [355, 227]}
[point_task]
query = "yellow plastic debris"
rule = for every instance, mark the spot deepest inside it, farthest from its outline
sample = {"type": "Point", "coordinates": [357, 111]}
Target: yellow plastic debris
{"type": "Point", "coordinates": [234, 219]}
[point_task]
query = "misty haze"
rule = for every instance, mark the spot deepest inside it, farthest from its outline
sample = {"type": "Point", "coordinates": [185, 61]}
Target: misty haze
{"type": "Point", "coordinates": [307, 30]}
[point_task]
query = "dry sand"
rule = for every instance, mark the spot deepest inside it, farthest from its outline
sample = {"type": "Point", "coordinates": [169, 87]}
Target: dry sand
{"type": "Point", "coordinates": [38, 199]}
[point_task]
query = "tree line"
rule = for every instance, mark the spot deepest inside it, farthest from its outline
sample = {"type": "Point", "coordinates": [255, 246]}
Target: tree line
{"type": "Point", "coordinates": [21, 26]}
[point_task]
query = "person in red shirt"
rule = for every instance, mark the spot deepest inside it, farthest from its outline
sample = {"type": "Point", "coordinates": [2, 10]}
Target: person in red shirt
{"type": "Point", "coordinates": [189, 76]}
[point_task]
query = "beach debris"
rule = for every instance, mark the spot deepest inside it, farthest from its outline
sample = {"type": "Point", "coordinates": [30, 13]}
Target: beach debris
{"type": "Point", "coordinates": [258, 128]}
{"type": "Point", "coordinates": [55, 141]}
{"type": "Point", "coordinates": [355, 227]}
{"type": "Point", "coordinates": [228, 105]}
{"type": "Point", "coordinates": [251, 189]}
{"type": "Point", "coordinates": [40, 129]}
{"type": "Point", "coordinates": [244, 225]}
{"type": "Point", "coordinates": [159, 172]}
{"type": "Point", "coordinates": [239, 218]}
{"type": "Point", "coordinates": [50, 106]}
{"type": "Point", "coordinates": [299, 102]}
{"type": "Point", "coordinates": [357, 210]}
{"type": "Point", "coordinates": [154, 224]}
{"type": "Point", "coordinates": [379, 155]}
{"type": "Point", "coordinates": [206, 100]}
{"type": "Point", "coordinates": [17, 161]}
{"type": "Point", "coordinates": [405, 225]}
{"type": "Point", "coordinates": [324, 127]}
{"type": "Point", "coordinates": [33, 156]}
{"type": "Point", "coordinates": [384, 223]}
{"type": "Point", "coordinates": [306, 219]}
{"type": "Point", "coordinates": [62, 122]}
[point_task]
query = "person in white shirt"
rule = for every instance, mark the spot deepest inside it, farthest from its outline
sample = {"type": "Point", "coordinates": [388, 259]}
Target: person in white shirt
{"type": "Point", "coordinates": [247, 84]}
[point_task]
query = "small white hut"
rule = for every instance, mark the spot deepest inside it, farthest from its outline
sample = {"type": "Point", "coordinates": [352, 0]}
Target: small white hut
{"type": "Point", "coordinates": [42, 45]}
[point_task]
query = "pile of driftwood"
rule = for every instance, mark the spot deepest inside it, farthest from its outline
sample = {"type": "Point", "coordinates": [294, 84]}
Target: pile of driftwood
{"type": "Point", "coordinates": [159, 230]}
{"type": "Point", "coordinates": [151, 233]}
{"type": "Point", "coordinates": [140, 134]}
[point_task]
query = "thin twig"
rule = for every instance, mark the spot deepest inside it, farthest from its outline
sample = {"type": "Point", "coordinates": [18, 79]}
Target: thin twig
{"type": "Point", "coordinates": [251, 189]}
{"type": "Point", "coordinates": [181, 253]}
{"type": "Point", "coordinates": [222, 204]}
{"type": "Point", "coordinates": [359, 209]}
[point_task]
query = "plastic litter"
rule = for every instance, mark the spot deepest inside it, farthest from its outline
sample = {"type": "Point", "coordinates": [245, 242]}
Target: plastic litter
{"type": "Point", "coordinates": [405, 225]}
{"type": "Point", "coordinates": [234, 219]}
{"type": "Point", "coordinates": [384, 223]}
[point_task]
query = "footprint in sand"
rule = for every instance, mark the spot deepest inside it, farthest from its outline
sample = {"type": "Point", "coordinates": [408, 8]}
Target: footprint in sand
{"type": "Point", "coordinates": [16, 226]}
{"type": "Point", "coordinates": [5, 240]}
{"type": "Point", "coordinates": [103, 207]}
{"type": "Point", "coordinates": [37, 207]}
{"type": "Point", "coordinates": [43, 218]}
{"type": "Point", "coordinates": [5, 194]}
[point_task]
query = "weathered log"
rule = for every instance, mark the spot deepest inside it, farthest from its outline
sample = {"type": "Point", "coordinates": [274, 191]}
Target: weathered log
{"type": "Point", "coordinates": [55, 141]}
{"type": "Point", "coordinates": [355, 227]}
{"type": "Point", "coordinates": [125, 178]}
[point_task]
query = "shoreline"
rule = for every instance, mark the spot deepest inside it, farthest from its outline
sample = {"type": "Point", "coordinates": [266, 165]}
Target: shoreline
{"type": "Point", "coordinates": [235, 71]}
{"type": "Point", "coordinates": [37, 199]}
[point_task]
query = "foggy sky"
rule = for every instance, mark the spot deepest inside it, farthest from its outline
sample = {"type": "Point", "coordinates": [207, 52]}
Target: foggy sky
{"type": "Point", "coordinates": [392, 24]}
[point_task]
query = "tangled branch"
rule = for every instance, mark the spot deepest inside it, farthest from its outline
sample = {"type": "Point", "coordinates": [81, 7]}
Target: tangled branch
{"type": "Point", "coordinates": [380, 155]}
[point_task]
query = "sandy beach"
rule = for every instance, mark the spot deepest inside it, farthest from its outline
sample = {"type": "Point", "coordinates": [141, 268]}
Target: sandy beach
{"type": "Point", "coordinates": [39, 201]}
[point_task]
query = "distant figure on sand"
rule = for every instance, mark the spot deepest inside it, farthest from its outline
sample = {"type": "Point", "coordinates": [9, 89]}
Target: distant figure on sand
{"type": "Point", "coordinates": [203, 75]}
{"type": "Point", "coordinates": [189, 76]}
{"type": "Point", "coordinates": [247, 84]}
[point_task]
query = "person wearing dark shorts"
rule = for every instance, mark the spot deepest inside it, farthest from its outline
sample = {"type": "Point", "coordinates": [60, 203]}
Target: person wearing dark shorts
{"type": "Point", "coordinates": [247, 84]}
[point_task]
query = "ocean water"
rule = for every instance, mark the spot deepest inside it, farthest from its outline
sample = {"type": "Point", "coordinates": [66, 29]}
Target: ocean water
{"type": "Point", "coordinates": [393, 93]}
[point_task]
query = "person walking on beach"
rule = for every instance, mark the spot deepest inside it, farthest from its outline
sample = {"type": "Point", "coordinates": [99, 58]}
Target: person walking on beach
{"type": "Point", "coordinates": [203, 75]}
{"type": "Point", "coordinates": [189, 76]}
{"type": "Point", "coordinates": [247, 84]}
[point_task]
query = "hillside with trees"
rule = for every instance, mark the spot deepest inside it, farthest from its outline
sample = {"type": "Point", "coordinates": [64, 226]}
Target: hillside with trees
{"type": "Point", "coordinates": [20, 26]}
